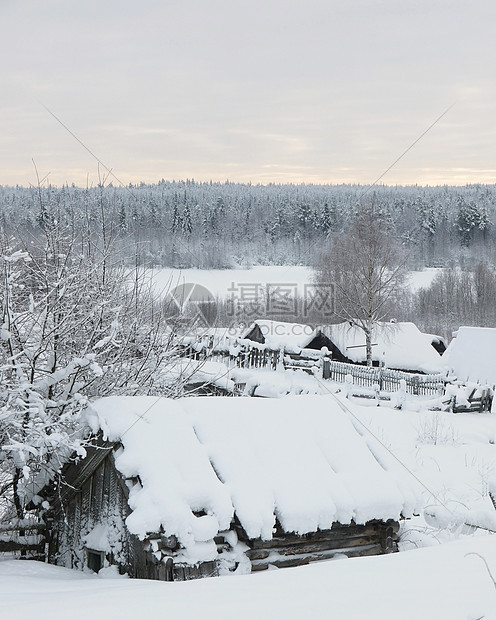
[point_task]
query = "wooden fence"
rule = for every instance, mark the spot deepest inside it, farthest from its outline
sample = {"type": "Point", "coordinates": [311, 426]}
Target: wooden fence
{"type": "Point", "coordinates": [365, 376]}
{"type": "Point", "coordinates": [388, 380]}
{"type": "Point", "coordinates": [23, 540]}
{"type": "Point", "coordinates": [252, 357]}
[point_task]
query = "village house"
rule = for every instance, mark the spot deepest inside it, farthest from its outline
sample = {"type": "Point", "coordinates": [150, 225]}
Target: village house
{"type": "Point", "coordinates": [470, 362]}
{"type": "Point", "coordinates": [200, 377]}
{"type": "Point", "coordinates": [210, 340]}
{"type": "Point", "coordinates": [293, 338]}
{"type": "Point", "coordinates": [395, 345]}
{"type": "Point", "coordinates": [193, 487]}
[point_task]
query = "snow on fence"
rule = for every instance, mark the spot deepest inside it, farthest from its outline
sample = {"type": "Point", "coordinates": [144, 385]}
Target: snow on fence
{"type": "Point", "coordinates": [23, 539]}
{"type": "Point", "coordinates": [365, 376]}
{"type": "Point", "coordinates": [246, 358]}
{"type": "Point", "coordinates": [388, 380]}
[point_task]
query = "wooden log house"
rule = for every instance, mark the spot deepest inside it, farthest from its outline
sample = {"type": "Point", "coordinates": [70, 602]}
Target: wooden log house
{"type": "Point", "coordinates": [221, 470]}
{"type": "Point", "coordinates": [294, 338]}
{"type": "Point", "coordinates": [395, 345]}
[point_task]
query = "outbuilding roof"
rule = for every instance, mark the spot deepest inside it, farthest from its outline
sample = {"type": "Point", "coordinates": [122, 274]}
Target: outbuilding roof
{"type": "Point", "coordinates": [201, 461]}
{"type": "Point", "coordinates": [276, 334]}
{"type": "Point", "coordinates": [471, 355]}
{"type": "Point", "coordinates": [401, 346]}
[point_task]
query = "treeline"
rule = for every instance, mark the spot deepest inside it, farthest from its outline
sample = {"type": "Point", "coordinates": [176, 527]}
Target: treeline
{"type": "Point", "coordinates": [456, 297]}
{"type": "Point", "coordinates": [222, 225]}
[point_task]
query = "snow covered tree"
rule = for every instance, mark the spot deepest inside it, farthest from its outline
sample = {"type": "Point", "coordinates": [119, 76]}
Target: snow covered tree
{"type": "Point", "coordinates": [327, 218]}
{"type": "Point", "coordinates": [186, 222]}
{"type": "Point", "coordinates": [73, 324]}
{"type": "Point", "coordinates": [122, 219]}
{"type": "Point", "coordinates": [484, 280]}
{"type": "Point", "coordinates": [366, 268]}
{"type": "Point", "coordinates": [468, 221]}
{"type": "Point", "coordinates": [304, 214]}
{"type": "Point", "coordinates": [176, 218]}
{"type": "Point", "coordinates": [426, 216]}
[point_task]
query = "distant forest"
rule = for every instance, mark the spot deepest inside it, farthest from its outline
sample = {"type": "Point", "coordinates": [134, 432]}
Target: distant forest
{"type": "Point", "coordinates": [222, 225]}
{"type": "Point", "coordinates": [187, 224]}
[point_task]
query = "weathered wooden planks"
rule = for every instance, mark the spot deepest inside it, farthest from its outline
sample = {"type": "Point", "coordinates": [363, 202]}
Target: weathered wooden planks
{"type": "Point", "coordinates": [281, 561]}
{"type": "Point", "coordinates": [374, 537]}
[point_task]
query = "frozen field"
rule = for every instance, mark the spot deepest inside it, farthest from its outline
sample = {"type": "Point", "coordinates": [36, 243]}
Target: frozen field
{"type": "Point", "coordinates": [220, 281]}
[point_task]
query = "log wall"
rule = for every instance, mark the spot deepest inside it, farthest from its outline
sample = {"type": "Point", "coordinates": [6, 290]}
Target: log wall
{"type": "Point", "coordinates": [88, 499]}
{"type": "Point", "coordinates": [372, 538]}
{"type": "Point", "coordinates": [94, 493]}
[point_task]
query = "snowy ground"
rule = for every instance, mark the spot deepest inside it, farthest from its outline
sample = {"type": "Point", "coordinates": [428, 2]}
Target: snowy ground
{"type": "Point", "coordinates": [219, 281]}
{"type": "Point", "coordinates": [435, 576]}
{"type": "Point", "coordinates": [436, 583]}
{"type": "Point", "coordinates": [422, 279]}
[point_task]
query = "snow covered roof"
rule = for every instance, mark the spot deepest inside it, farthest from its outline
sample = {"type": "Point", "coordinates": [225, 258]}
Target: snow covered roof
{"type": "Point", "coordinates": [276, 334]}
{"type": "Point", "coordinates": [218, 338]}
{"type": "Point", "coordinates": [471, 355]}
{"type": "Point", "coordinates": [299, 459]}
{"type": "Point", "coordinates": [198, 372]}
{"type": "Point", "coordinates": [400, 345]}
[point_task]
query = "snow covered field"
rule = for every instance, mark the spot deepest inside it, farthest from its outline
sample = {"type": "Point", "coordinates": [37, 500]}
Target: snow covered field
{"type": "Point", "coordinates": [219, 281]}
{"type": "Point", "coordinates": [422, 279]}
{"type": "Point", "coordinates": [436, 583]}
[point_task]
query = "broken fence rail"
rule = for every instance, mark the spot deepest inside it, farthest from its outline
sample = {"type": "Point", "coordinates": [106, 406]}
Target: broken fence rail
{"type": "Point", "coordinates": [24, 540]}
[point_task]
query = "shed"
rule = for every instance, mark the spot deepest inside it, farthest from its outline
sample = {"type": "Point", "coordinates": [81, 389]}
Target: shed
{"type": "Point", "coordinates": [277, 334]}
{"type": "Point", "coordinates": [199, 377]}
{"type": "Point", "coordinates": [471, 355]}
{"type": "Point", "coordinates": [398, 345]}
{"type": "Point", "coordinates": [293, 337]}
{"type": "Point", "coordinates": [192, 487]}
{"type": "Point", "coordinates": [211, 339]}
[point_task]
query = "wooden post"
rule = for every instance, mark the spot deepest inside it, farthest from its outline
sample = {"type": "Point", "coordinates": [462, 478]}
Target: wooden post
{"type": "Point", "coordinates": [326, 368]}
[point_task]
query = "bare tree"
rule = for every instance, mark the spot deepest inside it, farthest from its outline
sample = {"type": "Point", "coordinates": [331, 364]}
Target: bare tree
{"type": "Point", "coordinates": [455, 297]}
{"type": "Point", "coordinates": [367, 269]}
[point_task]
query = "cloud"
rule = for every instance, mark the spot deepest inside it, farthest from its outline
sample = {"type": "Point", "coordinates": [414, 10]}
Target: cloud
{"type": "Point", "coordinates": [323, 90]}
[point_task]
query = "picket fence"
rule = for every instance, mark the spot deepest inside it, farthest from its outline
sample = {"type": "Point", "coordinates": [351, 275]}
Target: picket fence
{"type": "Point", "coordinates": [386, 379]}
{"type": "Point", "coordinates": [365, 376]}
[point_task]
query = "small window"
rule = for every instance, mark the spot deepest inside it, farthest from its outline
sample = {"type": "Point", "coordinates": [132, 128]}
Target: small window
{"type": "Point", "coordinates": [95, 560]}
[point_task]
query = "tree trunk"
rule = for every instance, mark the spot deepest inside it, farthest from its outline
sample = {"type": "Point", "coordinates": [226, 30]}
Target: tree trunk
{"type": "Point", "coordinates": [15, 491]}
{"type": "Point", "coordinates": [368, 346]}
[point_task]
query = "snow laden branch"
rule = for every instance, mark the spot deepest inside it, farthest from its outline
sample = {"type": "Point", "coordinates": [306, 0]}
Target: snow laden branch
{"type": "Point", "coordinates": [73, 325]}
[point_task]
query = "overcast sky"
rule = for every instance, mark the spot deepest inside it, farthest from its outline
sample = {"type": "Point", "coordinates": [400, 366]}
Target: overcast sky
{"type": "Point", "coordinates": [274, 90]}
